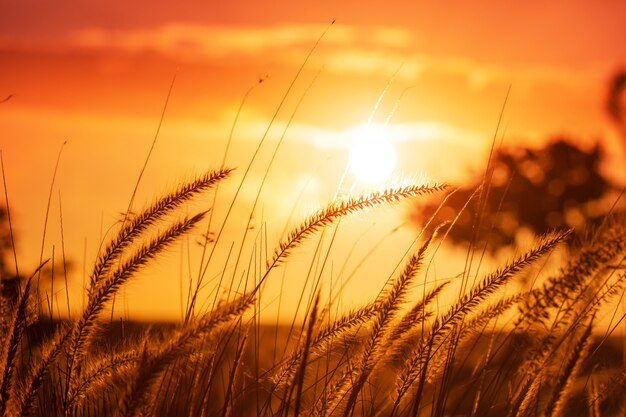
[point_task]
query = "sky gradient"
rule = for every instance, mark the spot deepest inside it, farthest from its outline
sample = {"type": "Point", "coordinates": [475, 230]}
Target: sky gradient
{"type": "Point", "coordinates": [96, 74]}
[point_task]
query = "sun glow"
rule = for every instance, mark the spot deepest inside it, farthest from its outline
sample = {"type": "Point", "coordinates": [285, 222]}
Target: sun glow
{"type": "Point", "coordinates": [372, 157]}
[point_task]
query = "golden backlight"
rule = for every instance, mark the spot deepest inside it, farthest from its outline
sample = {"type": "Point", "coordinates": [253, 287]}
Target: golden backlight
{"type": "Point", "coordinates": [287, 209]}
{"type": "Point", "coordinates": [372, 157]}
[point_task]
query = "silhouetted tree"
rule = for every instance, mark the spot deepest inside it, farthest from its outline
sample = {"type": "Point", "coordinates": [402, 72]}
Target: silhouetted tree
{"type": "Point", "coordinates": [558, 185]}
{"type": "Point", "coordinates": [615, 106]}
{"type": "Point", "coordinates": [540, 190]}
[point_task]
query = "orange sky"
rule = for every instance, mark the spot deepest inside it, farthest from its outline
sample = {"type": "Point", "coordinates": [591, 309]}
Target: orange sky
{"type": "Point", "coordinates": [96, 74]}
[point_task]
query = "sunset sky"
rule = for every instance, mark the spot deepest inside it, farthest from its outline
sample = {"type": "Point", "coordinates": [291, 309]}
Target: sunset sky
{"type": "Point", "coordinates": [96, 74]}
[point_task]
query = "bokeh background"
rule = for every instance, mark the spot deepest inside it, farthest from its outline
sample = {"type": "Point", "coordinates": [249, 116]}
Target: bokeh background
{"type": "Point", "coordinates": [96, 75]}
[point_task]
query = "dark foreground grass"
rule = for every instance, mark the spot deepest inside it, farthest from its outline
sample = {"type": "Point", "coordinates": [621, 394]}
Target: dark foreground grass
{"type": "Point", "coordinates": [395, 356]}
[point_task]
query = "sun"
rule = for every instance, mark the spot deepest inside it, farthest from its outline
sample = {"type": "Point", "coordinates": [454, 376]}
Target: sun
{"type": "Point", "coordinates": [372, 157]}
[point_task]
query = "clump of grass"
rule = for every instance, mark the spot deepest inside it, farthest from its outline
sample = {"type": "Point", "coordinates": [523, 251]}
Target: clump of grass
{"type": "Point", "coordinates": [69, 368]}
{"type": "Point", "coordinates": [398, 355]}
{"type": "Point", "coordinates": [393, 356]}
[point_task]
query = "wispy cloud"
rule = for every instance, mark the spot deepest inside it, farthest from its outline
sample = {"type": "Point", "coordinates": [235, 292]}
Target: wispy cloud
{"type": "Point", "coordinates": [364, 50]}
{"type": "Point", "coordinates": [410, 66]}
{"type": "Point", "coordinates": [398, 133]}
{"type": "Point", "coordinates": [345, 49]}
{"type": "Point", "coordinates": [201, 42]}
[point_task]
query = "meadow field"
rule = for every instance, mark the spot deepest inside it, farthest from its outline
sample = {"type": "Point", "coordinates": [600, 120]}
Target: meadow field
{"type": "Point", "coordinates": [534, 351]}
{"type": "Point", "coordinates": [302, 258]}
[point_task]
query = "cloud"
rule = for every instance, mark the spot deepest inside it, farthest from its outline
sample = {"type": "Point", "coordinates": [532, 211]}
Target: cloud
{"type": "Point", "coordinates": [189, 41]}
{"type": "Point", "coordinates": [345, 49]}
{"type": "Point", "coordinates": [394, 132]}
{"type": "Point", "coordinates": [331, 138]}
{"type": "Point", "coordinates": [409, 66]}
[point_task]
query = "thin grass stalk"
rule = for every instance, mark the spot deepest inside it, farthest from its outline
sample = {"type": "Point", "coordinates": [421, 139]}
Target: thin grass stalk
{"type": "Point", "coordinates": [300, 375]}
{"type": "Point", "coordinates": [39, 374]}
{"type": "Point", "coordinates": [108, 287]}
{"type": "Point", "coordinates": [98, 373]}
{"type": "Point", "coordinates": [449, 357]}
{"type": "Point", "coordinates": [335, 388]}
{"type": "Point", "coordinates": [557, 292]}
{"type": "Point", "coordinates": [11, 348]}
{"type": "Point", "coordinates": [484, 188]}
{"type": "Point", "coordinates": [154, 363]}
{"type": "Point", "coordinates": [336, 391]}
{"type": "Point", "coordinates": [324, 337]}
{"type": "Point", "coordinates": [204, 268]}
{"type": "Point", "coordinates": [152, 145]}
{"type": "Point", "coordinates": [8, 210]}
{"type": "Point", "coordinates": [132, 229]}
{"type": "Point", "coordinates": [561, 390]}
{"type": "Point", "coordinates": [266, 174]}
{"type": "Point", "coordinates": [338, 209]}
{"type": "Point", "coordinates": [45, 223]}
{"type": "Point", "coordinates": [416, 315]}
{"type": "Point", "coordinates": [483, 373]}
{"type": "Point", "coordinates": [416, 366]}
{"type": "Point", "coordinates": [237, 362]}
{"type": "Point", "coordinates": [67, 293]}
{"type": "Point", "coordinates": [206, 241]}
{"type": "Point", "coordinates": [389, 306]}
{"type": "Point", "coordinates": [209, 373]}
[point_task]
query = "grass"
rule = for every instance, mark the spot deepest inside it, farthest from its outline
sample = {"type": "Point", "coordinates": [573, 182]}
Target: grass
{"type": "Point", "coordinates": [398, 355]}
{"type": "Point", "coordinates": [394, 356]}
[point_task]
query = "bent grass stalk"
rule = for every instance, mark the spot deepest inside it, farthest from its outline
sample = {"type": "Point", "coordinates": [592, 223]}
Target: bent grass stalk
{"type": "Point", "coordinates": [415, 368]}
{"type": "Point", "coordinates": [341, 367]}
{"type": "Point", "coordinates": [69, 360]}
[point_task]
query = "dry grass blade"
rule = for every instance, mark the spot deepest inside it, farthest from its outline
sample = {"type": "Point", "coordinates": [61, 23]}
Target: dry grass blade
{"type": "Point", "coordinates": [14, 341]}
{"type": "Point", "coordinates": [560, 290]}
{"type": "Point", "coordinates": [111, 284]}
{"type": "Point", "coordinates": [79, 334]}
{"type": "Point", "coordinates": [237, 362]}
{"type": "Point", "coordinates": [415, 368]}
{"type": "Point", "coordinates": [139, 224]}
{"type": "Point", "coordinates": [570, 370]}
{"type": "Point", "coordinates": [416, 315]}
{"type": "Point", "coordinates": [323, 338]}
{"type": "Point", "coordinates": [97, 374]}
{"type": "Point", "coordinates": [155, 362]}
{"type": "Point", "coordinates": [38, 376]}
{"type": "Point", "coordinates": [335, 210]}
{"type": "Point", "coordinates": [299, 379]}
{"type": "Point", "coordinates": [391, 302]}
